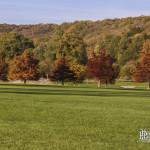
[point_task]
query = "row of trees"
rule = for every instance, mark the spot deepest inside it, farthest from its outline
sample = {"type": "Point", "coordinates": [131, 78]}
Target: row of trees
{"type": "Point", "coordinates": [26, 67]}
{"type": "Point", "coordinates": [67, 60]}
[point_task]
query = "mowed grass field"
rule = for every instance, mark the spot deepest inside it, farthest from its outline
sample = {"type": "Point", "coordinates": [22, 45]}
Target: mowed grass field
{"type": "Point", "coordinates": [72, 118]}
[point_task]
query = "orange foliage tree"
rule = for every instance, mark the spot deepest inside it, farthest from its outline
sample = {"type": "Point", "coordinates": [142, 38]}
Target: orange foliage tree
{"type": "Point", "coordinates": [142, 72]}
{"type": "Point", "coordinates": [24, 67]}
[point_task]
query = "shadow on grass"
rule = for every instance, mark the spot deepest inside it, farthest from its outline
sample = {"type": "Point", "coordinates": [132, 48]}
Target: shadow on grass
{"type": "Point", "coordinates": [78, 92]}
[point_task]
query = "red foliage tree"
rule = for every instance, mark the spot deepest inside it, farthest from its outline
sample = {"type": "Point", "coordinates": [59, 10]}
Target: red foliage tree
{"type": "Point", "coordinates": [142, 73]}
{"type": "Point", "coordinates": [101, 68]}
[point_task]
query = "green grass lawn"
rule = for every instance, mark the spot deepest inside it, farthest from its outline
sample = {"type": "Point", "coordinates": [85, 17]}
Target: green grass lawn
{"type": "Point", "coordinates": [65, 118]}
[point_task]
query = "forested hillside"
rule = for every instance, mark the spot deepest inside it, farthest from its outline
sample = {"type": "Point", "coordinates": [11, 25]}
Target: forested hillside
{"type": "Point", "coordinates": [122, 38]}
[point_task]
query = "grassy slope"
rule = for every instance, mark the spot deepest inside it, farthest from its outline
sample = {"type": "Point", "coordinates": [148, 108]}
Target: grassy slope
{"type": "Point", "coordinates": [55, 118]}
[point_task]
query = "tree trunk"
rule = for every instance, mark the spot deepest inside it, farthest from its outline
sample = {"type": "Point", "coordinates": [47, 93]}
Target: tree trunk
{"type": "Point", "coordinates": [62, 82]}
{"type": "Point", "coordinates": [106, 83]}
{"type": "Point", "coordinates": [99, 83]}
{"type": "Point", "coordinates": [25, 81]}
{"type": "Point", "coordinates": [47, 76]}
{"type": "Point", "coordinates": [87, 81]}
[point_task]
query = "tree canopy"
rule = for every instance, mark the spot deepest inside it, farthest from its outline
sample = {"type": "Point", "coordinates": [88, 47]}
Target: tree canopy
{"type": "Point", "coordinates": [142, 72]}
{"type": "Point", "coordinates": [62, 72]}
{"type": "Point", "coordinates": [13, 44]}
{"type": "Point", "coordinates": [24, 67]}
{"type": "Point", "coordinates": [101, 68]}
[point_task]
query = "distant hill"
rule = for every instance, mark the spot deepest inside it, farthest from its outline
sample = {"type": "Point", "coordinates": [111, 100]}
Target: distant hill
{"type": "Point", "coordinates": [91, 30]}
{"type": "Point", "coordinates": [124, 31]}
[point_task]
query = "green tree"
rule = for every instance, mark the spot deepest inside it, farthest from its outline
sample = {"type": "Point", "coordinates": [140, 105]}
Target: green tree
{"type": "Point", "coordinates": [127, 70]}
{"type": "Point", "coordinates": [13, 44]}
{"type": "Point", "coordinates": [45, 67]}
{"type": "Point", "coordinates": [46, 56]}
{"type": "Point", "coordinates": [110, 43]}
{"type": "Point", "coordinates": [71, 45]}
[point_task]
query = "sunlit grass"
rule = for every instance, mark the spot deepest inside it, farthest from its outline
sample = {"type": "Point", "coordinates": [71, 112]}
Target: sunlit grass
{"type": "Point", "coordinates": [72, 118]}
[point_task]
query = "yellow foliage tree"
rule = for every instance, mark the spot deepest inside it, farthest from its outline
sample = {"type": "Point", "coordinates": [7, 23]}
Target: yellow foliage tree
{"type": "Point", "coordinates": [80, 72]}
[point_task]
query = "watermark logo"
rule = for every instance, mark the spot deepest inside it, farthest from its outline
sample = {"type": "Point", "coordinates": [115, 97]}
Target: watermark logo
{"type": "Point", "coordinates": [144, 135]}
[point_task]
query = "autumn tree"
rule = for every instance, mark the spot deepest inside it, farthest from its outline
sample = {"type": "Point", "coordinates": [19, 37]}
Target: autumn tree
{"type": "Point", "coordinates": [24, 67]}
{"type": "Point", "coordinates": [127, 70]}
{"type": "Point", "coordinates": [142, 73]}
{"type": "Point", "coordinates": [62, 72]}
{"type": "Point", "coordinates": [101, 68]}
{"type": "Point", "coordinates": [79, 71]}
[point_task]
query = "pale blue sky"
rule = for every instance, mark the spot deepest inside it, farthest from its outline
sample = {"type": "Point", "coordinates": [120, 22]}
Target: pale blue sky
{"type": "Point", "coordinates": [58, 11]}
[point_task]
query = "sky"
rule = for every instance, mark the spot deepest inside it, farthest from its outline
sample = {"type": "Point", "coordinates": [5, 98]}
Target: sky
{"type": "Point", "coordinates": [59, 11]}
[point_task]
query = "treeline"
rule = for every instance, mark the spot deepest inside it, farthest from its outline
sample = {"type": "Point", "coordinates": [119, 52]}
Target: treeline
{"type": "Point", "coordinates": [121, 37]}
{"type": "Point", "coordinates": [21, 59]}
{"type": "Point", "coordinates": [74, 47]}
